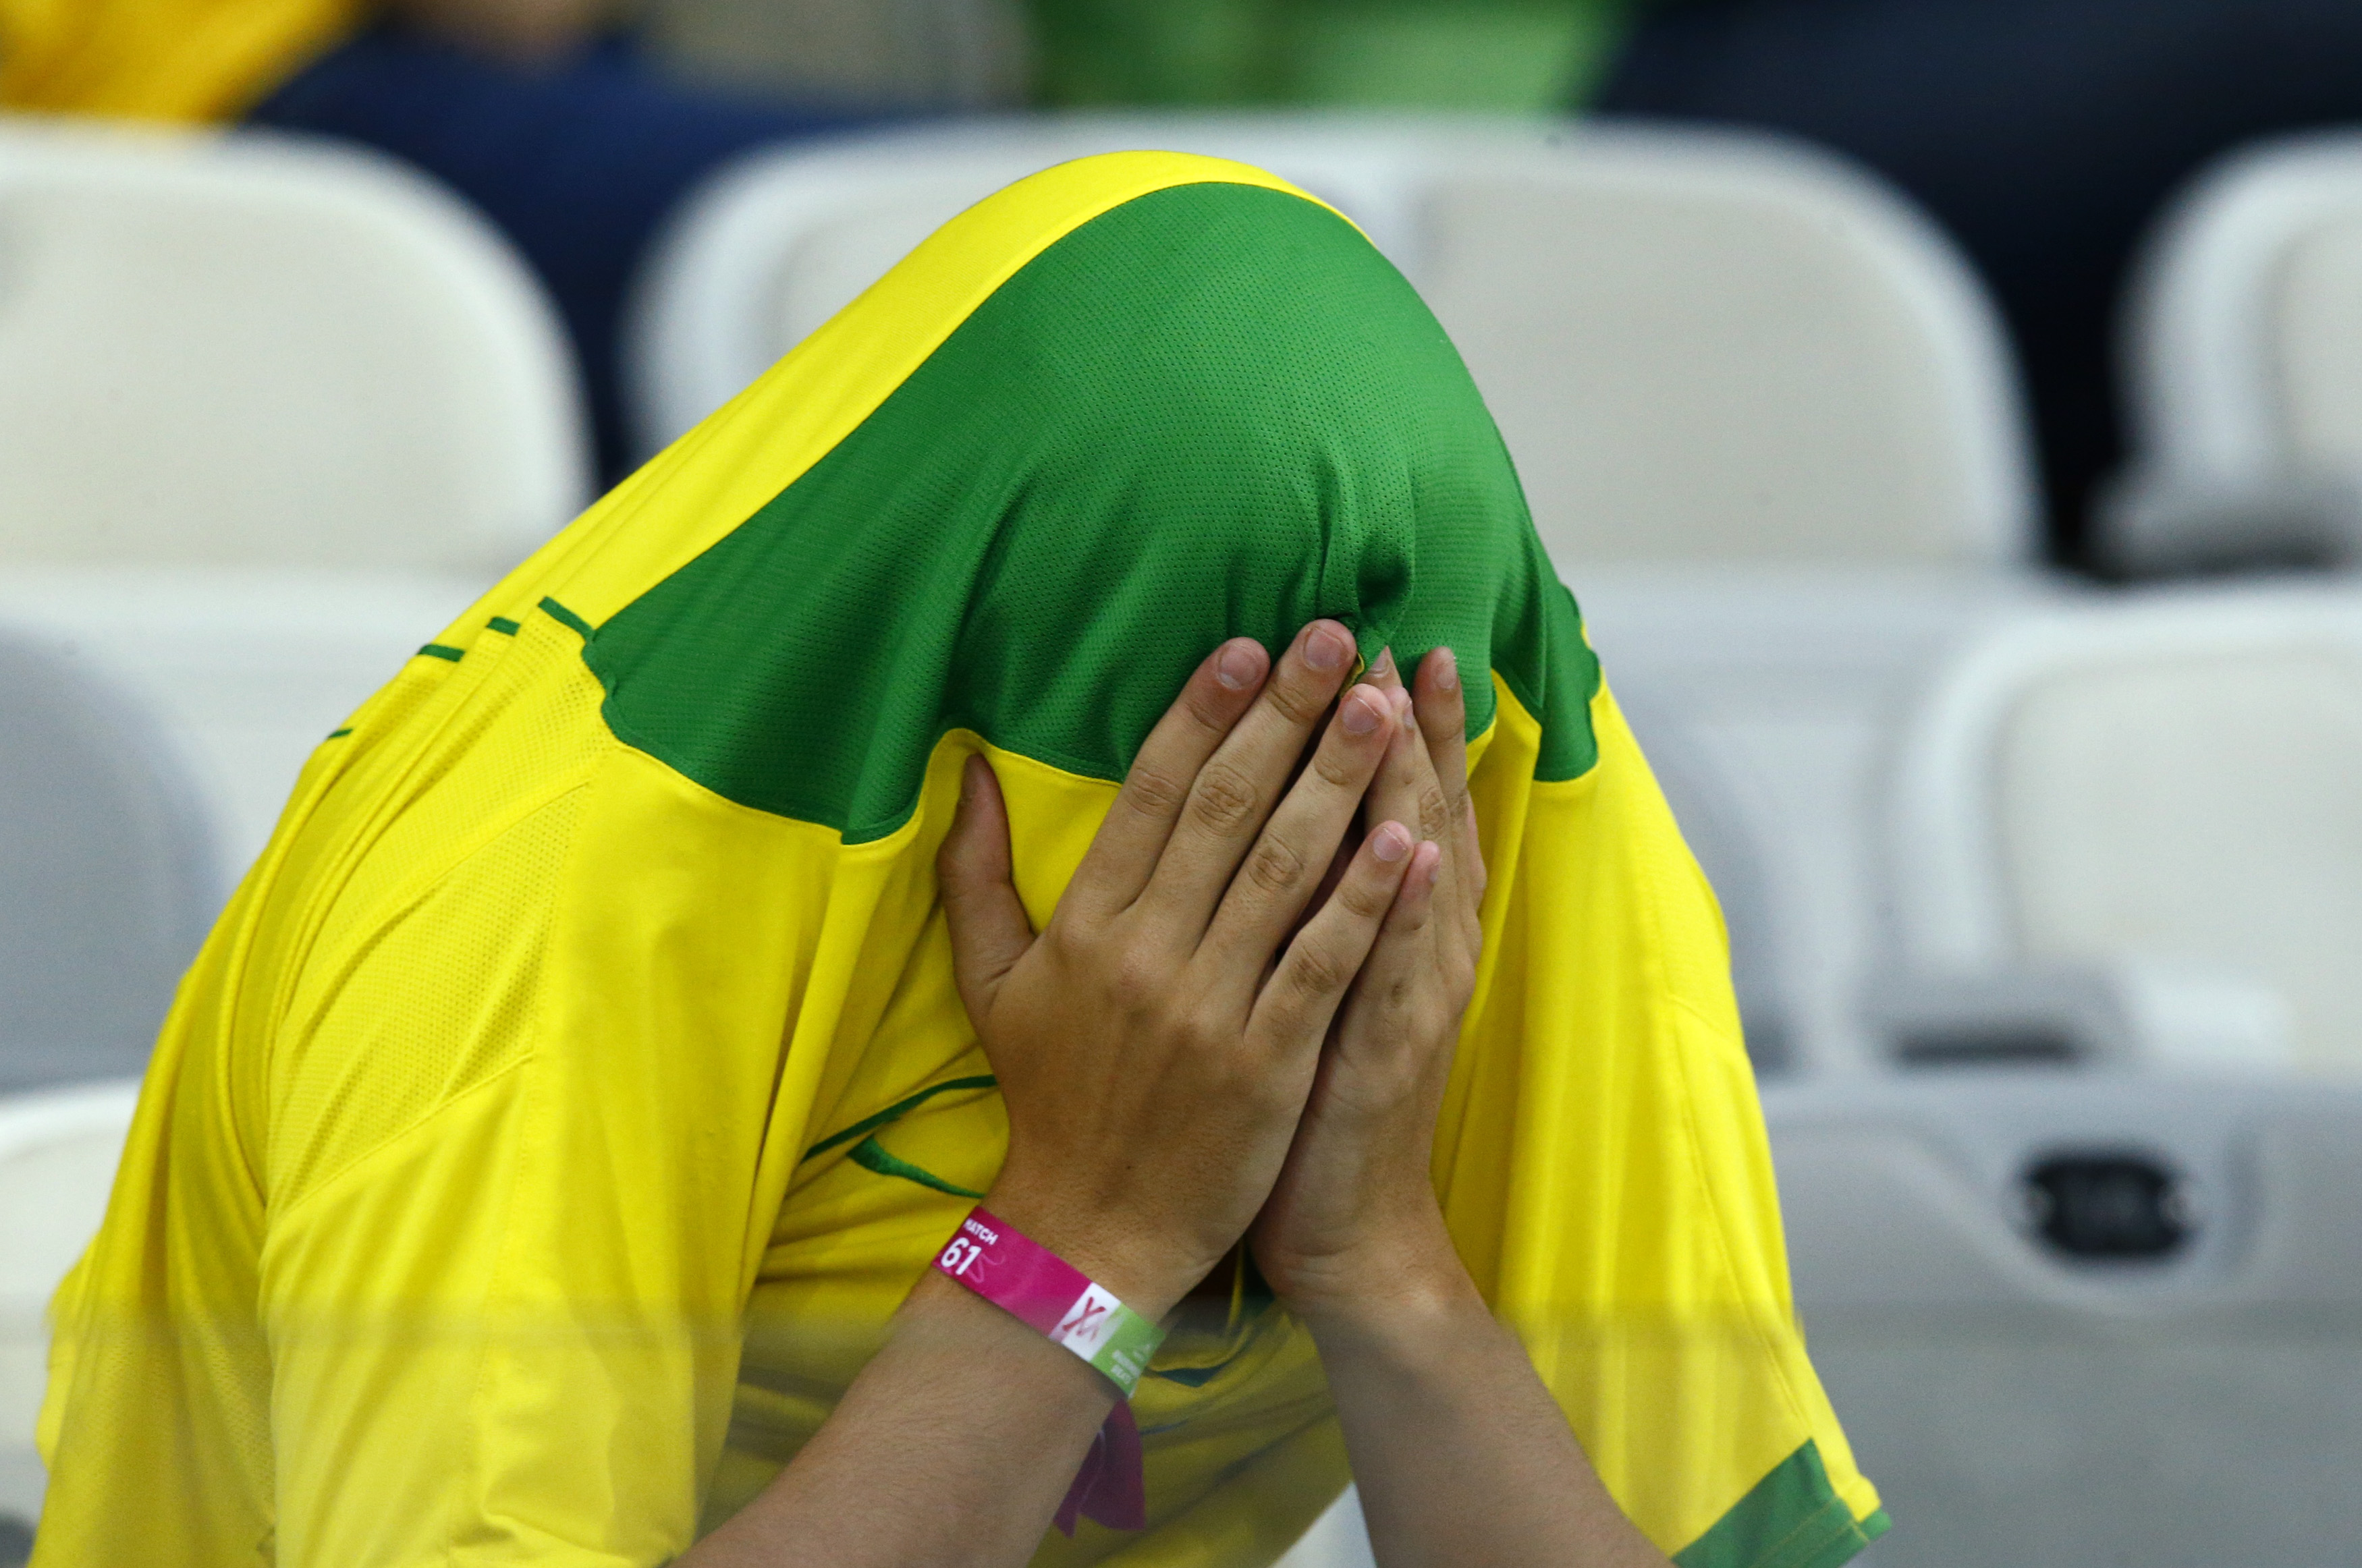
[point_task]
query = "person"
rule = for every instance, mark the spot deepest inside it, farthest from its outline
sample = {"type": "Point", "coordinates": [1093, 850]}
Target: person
{"type": "Point", "coordinates": [1510, 56]}
{"type": "Point", "coordinates": [2046, 135]}
{"type": "Point", "coordinates": [541, 113]}
{"type": "Point", "coordinates": [799, 875]}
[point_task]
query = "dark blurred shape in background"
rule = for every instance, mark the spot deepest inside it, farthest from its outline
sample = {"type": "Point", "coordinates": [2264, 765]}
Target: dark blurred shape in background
{"type": "Point", "coordinates": [2045, 134]}
{"type": "Point", "coordinates": [1442, 54]}
{"type": "Point", "coordinates": [910, 54]}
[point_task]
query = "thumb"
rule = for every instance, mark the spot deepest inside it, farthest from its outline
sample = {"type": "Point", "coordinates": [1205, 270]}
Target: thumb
{"type": "Point", "coordinates": [989, 931]}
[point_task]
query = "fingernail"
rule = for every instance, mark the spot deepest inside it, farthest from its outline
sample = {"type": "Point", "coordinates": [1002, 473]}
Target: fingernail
{"type": "Point", "coordinates": [1385, 664]}
{"type": "Point", "coordinates": [1401, 695]}
{"type": "Point", "coordinates": [1239, 666]}
{"type": "Point", "coordinates": [1446, 671]}
{"type": "Point", "coordinates": [1361, 712]}
{"type": "Point", "coordinates": [1391, 843]}
{"type": "Point", "coordinates": [1328, 648]}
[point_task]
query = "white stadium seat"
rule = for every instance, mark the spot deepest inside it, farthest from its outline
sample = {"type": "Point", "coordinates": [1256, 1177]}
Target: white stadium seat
{"type": "Point", "coordinates": [2078, 1318]}
{"type": "Point", "coordinates": [110, 874]}
{"type": "Point", "coordinates": [58, 1154]}
{"type": "Point", "coordinates": [1790, 684]}
{"type": "Point", "coordinates": [243, 671]}
{"type": "Point", "coordinates": [2243, 362]}
{"type": "Point", "coordinates": [272, 412]}
{"type": "Point", "coordinates": [246, 349]}
{"type": "Point", "coordinates": [2158, 797]}
{"type": "Point", "coordinates": [1699, 346]}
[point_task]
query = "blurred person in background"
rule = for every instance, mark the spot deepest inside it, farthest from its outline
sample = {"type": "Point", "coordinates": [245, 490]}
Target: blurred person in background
{"type": "Point", "coordinates": [542, 112]}
{"type": "Point", "coordinates": [2045, 134]}
{"type": "Point", "coordinates": [1439, 54]}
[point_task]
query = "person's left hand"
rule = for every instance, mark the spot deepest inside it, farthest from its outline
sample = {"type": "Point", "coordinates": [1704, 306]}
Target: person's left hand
{"type": "Point", "coordinates": [1353, 1217]}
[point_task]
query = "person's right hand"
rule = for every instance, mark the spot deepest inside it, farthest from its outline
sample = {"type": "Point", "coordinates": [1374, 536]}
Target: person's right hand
{"type": "Point", "coordinates": [1154, 1046]}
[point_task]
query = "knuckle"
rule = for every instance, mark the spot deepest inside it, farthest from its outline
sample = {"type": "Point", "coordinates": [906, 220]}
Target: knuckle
{"type": "Point", "coordinates": [1207, 711]}
{"type": "Point", "coordinates": [1136, 978]}
{"type": "Point", "coordinates": [1364, 899]}
{"type": "Point", "coordinates": [1295, 700]}
{"type": "Point", "coordinates": [1154, 794]}
{"type": "Point", "coordinates": [1434, 813]}
{"type": "Point", "coordinates": [1318, 972]}
{"type": "Point", "coordinates": [1336, 768]}
{"type": "Point", "coordinates": [1274, 867]}
{"type": "Point", "coordinates": [1225, 799]}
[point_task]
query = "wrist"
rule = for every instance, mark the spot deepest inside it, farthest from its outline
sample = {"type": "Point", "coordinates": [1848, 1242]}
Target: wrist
{"type": "Point", "coordinates": [1395, 1278]}
{"type": "Point", "coordinates": [1129, 1260]}
{"type": "Point", "coordinates": [1406, 1323]}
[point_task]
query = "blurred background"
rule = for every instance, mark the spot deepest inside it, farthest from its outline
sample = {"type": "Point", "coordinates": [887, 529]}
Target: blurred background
{"type": "Point", "coordinates": [1947, 414]}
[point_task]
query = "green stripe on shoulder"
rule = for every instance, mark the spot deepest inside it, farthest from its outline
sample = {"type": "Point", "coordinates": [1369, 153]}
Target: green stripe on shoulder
{"type": "Point", "coordinates": [437, 650]}
{"type": "Point", "coordinates": [566, 618]}
{"type": "Point", "coordinates": [503, 626]}
{"type": "Point", "coordinates": [1791, 1518]}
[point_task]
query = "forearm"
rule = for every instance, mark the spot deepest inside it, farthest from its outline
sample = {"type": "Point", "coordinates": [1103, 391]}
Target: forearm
{"type": "Point", "coordinates": [953, 1446]}
{"type": "Point", "coordinates": [1460, 1453]}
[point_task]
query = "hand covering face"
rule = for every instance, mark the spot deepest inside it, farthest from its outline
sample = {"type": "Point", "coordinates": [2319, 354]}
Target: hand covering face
{"type": "Point", "coordinates": [578, 1083]}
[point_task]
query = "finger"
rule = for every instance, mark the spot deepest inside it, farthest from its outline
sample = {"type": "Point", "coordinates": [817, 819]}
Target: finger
{"type": "Point", "coordinates": [1389, 1019]}
{"type": "Point", "coordinates": [1298, 1002]}
{"type": "Point", "coordinates": [1440, 704]}
{"type": "Point", "coordinates": [988, 929]}
{"type": "Point", "coordinates": [1291, 858]}
{"type": "Point", "coordinates": [1402, 959]}
{"type": "Point", "coordinates": [1236, 790]}
{"type": "Point", "coordinates": [1408, 788]}
{"type": "Point", "coordinates": [1123, 854]}
{"type": "Point", "coordinates": [1442, 710]}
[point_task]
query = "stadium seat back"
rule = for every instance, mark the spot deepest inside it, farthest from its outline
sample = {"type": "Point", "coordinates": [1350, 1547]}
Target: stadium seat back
{"type": "Point", "coordinates": [2243, 368]}
{"type": "Point", "coordinates": [2167, 786]}
{"type": "Point", "coordinates": [2076, 1318]}
{"type": "Point", "coordinates": [108, 862]}
{"type": "Point", "coordinates": [1710, 347]}
{"type": "Point", "coordinates": [59, 1150]}
{"type": "Point", "coordinates": [1698, 345]}
{"type": "Point", "coordinates": [244, 348]}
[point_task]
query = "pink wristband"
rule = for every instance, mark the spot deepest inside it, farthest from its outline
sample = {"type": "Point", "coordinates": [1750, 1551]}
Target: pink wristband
{"type": "Point", "coordinates": [1052, 1297]}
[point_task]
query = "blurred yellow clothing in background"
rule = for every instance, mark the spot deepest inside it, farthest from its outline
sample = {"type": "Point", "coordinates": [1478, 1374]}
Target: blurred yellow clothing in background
{"type": "Point", "coordinates": [160, 59]}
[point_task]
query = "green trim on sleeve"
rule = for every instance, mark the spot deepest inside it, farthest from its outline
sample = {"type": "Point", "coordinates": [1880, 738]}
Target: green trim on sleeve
{"type": "Point", "coordinates": [898, 1110]}
{"type": "Point", "coordinates": [503, 626]}
{"type": "Point", "coordinates": [871, 1155]}
{"type": "Point", "coordinates": [1791, 1518]}
{"type": "Point", "coordinates": [437, 650]}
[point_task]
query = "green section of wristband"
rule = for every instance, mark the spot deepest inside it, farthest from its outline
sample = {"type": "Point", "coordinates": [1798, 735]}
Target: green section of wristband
{"type": "Point", "coordinates": [1124, 1355]}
